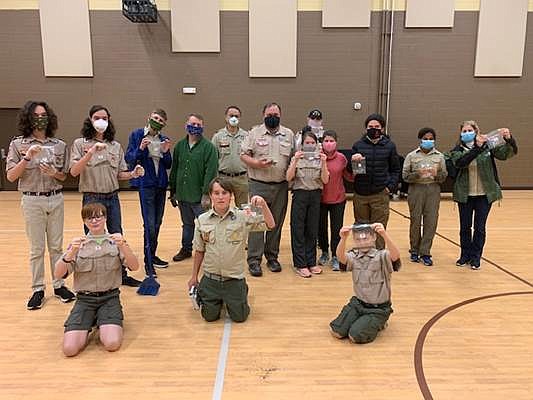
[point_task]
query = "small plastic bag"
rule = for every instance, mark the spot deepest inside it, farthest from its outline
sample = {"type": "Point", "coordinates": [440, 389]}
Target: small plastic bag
{"type": "Point", "coordinates": [310, 152]}
{"type": "Point", "coordinates": [45, 156]}
{"type": "Point", "coordinates": [363, 236]}
{"type": "Point", "coordinates": [495, 139]}
{"type": "Point", "coordinates": [427, 169]}
{"type": "Point", "coordinates": [254, 214]}
{"type": "Point", "coordinates": [154, 149]}
{"type": "Point", "coordinates": [195, 300]}
{"type": "Point", "coordinates": [359, 167]}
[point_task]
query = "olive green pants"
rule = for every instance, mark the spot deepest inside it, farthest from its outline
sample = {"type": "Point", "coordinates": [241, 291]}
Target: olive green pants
{"type": "Point", "coordinates": [424, 202]}
{"type": "Point", "coordinates": [214, 293]}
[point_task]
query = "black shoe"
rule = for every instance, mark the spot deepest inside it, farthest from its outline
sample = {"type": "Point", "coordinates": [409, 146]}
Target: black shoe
{"type": "Point", "coordinates": [158, 263]}
{"type": "Point", "coordinates": [65, 295]}
{"type": "Point", "coordinates": [274, 265]}
{"type": "Point", "coordinates": [36, 301]}
{"type": "Point", "coordinates": [182, 255]}
{"type": "Point", "coordinates": [255, 269]}
{"type": "Point", "coordinates": [462, 262]}
{"type": "Point", "coordinates": [130, 281]}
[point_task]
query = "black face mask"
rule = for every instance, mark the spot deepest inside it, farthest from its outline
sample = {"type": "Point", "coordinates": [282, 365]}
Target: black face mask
{"type": "Point", "coordinates": [272, 121]}
{"type": "Point", "coordinates": [373, 133]}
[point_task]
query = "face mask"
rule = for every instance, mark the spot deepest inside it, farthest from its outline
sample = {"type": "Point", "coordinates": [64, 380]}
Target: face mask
{"type": "Point", "coordinates": [373, 133]}
{"type": "Point", "coordinates": [100, 125]}
{"type": "Point", "coordinates": [308, 148]}
{"type": "Point", "coordinates": [427, 144]}
{"type": "Point", "coordinates": [314, 123]}
{"type": "Point", "coordinates": [233, 121]}
{"type": "Point", "coordinates": [195, 130]}
{"type": "Point", "coordinates": [40, 123]}
{"type": "Point", "coordinates": [155, 125]}
{"type": "Point", "coordinates": [272, 121]}
{"type": "Point", "coordinates": [329, 147]}
{"type": "Point", "coordinates": [467, 137]}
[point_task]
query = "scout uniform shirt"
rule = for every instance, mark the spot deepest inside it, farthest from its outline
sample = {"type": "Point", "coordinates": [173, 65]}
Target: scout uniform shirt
{"type": "Point", "coordinates": [308, 173]}
{"type": "Point", "coordinates": [229, 150]}
{"type": "Point", "coordinates": [97, 266]}
{"type": "Point", "coordinates": [54, 151]}
{"type": "Point", "coordinates": [371, 274]}
{"type": "Point", "coordinates": [417, 159]}
{"type": "Point", "coordinates": [223, 240]}
{"type": "Point", "coordinates": [278, 146]}
{"type": "Point", "coordinates": [101, 173]}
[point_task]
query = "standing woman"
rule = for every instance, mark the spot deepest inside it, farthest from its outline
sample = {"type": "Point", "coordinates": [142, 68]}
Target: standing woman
{"type": "Point", "coordinates": [477, 186]}
{"type": "Point", "coordinates": [309, 171]}
{"type": "Point", "coordinates": [40, 162]}
{"type": "Point", "coordinates": [332, 201]}
{"type": "Point", "coordinates": [99, 161]}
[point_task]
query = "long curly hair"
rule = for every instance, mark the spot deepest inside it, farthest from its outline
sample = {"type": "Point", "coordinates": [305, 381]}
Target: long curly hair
{"type": "Point", "coordinates": [25, 118]}
{"type": "Point", "coordinates": [88, 131]}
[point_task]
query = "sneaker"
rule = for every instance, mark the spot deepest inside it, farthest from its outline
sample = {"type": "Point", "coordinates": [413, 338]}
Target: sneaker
{"type": "Point", "coordinates": [64, 294]}
{"type": "Point", "coordinates": [36, 301]}
{"type": "Point", "coordinates": [255, 269]}
{"type": "Point", "coordinates": [274, 265]}
{"type": "Point", "coordinates": [304, 272]}
{"type": "Point", "coordinates": [462, 262]}
{"type": "Point", "coordinates": [335, 264]}
{"type": "Point", "coordinates": [323, 259]}
{"type": "Point", "coordinates": [414, 257]}
{"type": "Point", "coordinates": [182, 255]}
{"type": "Point", "coordinates": [428, 262]}
{"type": "Point", "coordinates": [158, 263]}
{"type": "Point", "coordinates": [130, 281]}
{"type": "Point", "coordinates": [475, 265]}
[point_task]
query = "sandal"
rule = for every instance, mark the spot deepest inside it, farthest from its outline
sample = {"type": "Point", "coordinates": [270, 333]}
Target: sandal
{"type": "Point", "coordinates": [315, 270]}
{"type": "Point", "coordinates": [303, 272]}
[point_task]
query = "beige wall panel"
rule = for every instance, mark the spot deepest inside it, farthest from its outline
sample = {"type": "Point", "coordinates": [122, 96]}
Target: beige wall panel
{"type": "Point", "coordinates": [66, 38]}
{"type": "Point", "coordinates": [501, 38]}
{"type": "Point", "coordinates": [195, 25]}
{"type": "Point", "coordinates": [346, 13]}
{"type": "Point", "coordinates": [429, 14]}
{"type": "Point", "coordinates": [272, 38]}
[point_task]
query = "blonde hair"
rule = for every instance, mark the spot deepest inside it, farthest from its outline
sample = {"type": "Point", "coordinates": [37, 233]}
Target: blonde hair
{"type": "Point", "coordinates": [472, 123]}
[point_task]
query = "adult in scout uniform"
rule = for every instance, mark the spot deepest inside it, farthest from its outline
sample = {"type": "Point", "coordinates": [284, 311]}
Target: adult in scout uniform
{"type": "Point", "coordinates": [99, 162]}
{"type": "Point", "coordinates": [369, 309]}
{"type": "Point", "coordinates": [150, 148]}
{"type": "Point", "coordinates": [228, 142]}
{"type": "Point", "coordinates": [96, 261]}
{"type": "Point", "coordinates": [309, 171]}
{"type": "Point", "coordinates": [40, 162]}
{"type": "Point", "coordinates": [220, 244]}
{"type": "Point", "coordinates": [267, 151]}
{"type": "Point", "coordinates": [424, 169]}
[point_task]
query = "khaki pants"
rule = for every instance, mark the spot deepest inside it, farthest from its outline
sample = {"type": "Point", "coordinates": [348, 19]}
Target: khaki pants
{"type": "Point", "coordinates": [240, 186]}
{"type": "Point", "coordinates": [372, 208]}
{"type": "Point", "coordinates": [424, 202]}
{"type": "Point", "coordinates": [44, 225]}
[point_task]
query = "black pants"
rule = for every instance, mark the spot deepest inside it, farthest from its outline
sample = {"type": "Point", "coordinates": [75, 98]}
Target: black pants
{"type": "Point", "coordinates": [305, 210]}
{"type": "Point", "coordinates": [476, 208]}
{"type": "Point", "coordinates": [336, 219]}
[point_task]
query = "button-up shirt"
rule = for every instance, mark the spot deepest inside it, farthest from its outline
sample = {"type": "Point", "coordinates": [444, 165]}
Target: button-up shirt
{"type": "Point", "coordinates": [416, 161]}
{"type": "Point", "coordinates": [229, 150]}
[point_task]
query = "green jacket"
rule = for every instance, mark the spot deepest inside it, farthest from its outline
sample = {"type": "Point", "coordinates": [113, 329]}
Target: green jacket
{"type": "Point", "coordinates": [192, 169]}
{"type": "Point", "coordinates": [461, 158]}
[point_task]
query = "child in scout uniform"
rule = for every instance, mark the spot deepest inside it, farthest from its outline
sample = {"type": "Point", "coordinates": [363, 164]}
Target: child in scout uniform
{"type": "Point", "coordinates": [96, 261]}
{"type": "Point", "coordinates": [40, 162]}
{"type": "Point", "coordinates": [368, 311]}
{"type": "Point", "coordinates": [308, 169]}
{"type": "Point", "coordinates": [99, 161]}
{"type": "Point", "coordinates": [220, 247]}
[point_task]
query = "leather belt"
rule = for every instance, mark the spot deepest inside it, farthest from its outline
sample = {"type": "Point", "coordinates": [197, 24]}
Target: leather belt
{"type": "Point", "coordinates": [217, 277]}
{"type": "Point", "coordinates": [46, 194]}
{"type": "Point", "coordinates": [99, 294]}
{"type": "Point", "coordinates": [102, 195]}
{"type": "Point", "coordinates": [231, 175]}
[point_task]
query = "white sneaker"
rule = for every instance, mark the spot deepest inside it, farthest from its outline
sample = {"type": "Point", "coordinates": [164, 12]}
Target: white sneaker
{"type": "Point", "coordinates": [335, 264]}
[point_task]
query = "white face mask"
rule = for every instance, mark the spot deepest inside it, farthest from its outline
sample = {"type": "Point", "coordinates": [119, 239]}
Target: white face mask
{"type": "Point", "coordinates": [100, 125]}
{"type": "Point", "coordinates": [233, 121]}
{"type": "Point", "coordinates": [314, 123]}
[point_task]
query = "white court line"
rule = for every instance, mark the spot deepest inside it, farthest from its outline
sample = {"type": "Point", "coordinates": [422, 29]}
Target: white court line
{"type": "Point", "coordinates": [222, 357]}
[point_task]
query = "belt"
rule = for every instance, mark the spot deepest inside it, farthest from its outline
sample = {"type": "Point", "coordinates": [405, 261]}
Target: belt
{"type": "Point", "coordinates": [232, 175]}
{"type": "Point", "coordinates": [367, 305]}
{"type": "Point", "coordinates": [99, 294]}
{"type": "Point", "coordinates": [46, 194]}
{"type": "Point", "coordinates": [102, 195]}
{"type": "Point", "coordinates": [267, 183]}
{"type": "Point", "coordinates": [219, 278]}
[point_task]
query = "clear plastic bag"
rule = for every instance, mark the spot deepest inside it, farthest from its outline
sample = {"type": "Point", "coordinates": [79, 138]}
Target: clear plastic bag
{"type": "Point", "coordinates": [310, 152]}
{"type": "Point", "coordinates": [495, 139]}
{"type": "Point", "coordinates": [427, 169]}
{"type": "Point", "coordinates": [254, 214]}
{"type": "Point", "coordinates": [363, 236]}
{"type": "Point", "coordinates": [154, 148]}
{"type": "Point", "coordinates": [359, 167]}
{"type": "Point", "coordinates": [45, 156]}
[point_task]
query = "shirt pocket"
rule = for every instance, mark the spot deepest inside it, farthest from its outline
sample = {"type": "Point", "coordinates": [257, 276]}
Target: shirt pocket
{"type": "Point", "coordinates": [224, 147]}
{"type": "Point", "coordinates": [111, 260]}
{"type": "Point", "coordinates": [208, 233]}
{"type": "Point", "coordinates": [262, 146]}
{"type": "Point", "coordinates": [113, 157]}
{"type": "Point", "coordinates": [285, 148]}
{"type": "Point", "coordinates": [234, 234]}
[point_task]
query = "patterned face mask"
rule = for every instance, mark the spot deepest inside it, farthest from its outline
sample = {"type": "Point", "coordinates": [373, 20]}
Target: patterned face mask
{"type": "Point", "coordinates": [40, 123]}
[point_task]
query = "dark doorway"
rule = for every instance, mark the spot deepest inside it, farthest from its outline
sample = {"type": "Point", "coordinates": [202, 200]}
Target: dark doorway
{"type": "Point", "coordinates": [8, 122]}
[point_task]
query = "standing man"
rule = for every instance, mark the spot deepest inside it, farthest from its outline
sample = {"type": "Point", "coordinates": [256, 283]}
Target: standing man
{"type": "Point", "coordinates": [149, 148]}
{"type": "Point", "coordinates": [371, 196]}
{"type": "Point", "coordinates": [195, 164]}
{"type": "Point", "coordinates": [267, 151]}
{"type": "Point", "coordinates": [228, 142]}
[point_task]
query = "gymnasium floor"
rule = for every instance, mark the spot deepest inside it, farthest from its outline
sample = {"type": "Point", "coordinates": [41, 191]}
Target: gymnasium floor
{"type": "Point", "coordinates": [455, 333]}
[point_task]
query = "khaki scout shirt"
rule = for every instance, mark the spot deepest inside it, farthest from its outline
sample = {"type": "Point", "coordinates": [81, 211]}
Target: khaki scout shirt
{"type": "Point", "coordinates": [98, 265]}
{"type": "Point", "coordinates": [223, 240]}
{"type": "Point", "coordinates": [415, 159]}
{"type": "Point", "coordinates": [308, 174]}
{"type": "Point", "coordinates": [101, 173]}
{"type": "Point", "coordinates": [32, 179]}
{"type": "Point", "coordinates": [278, 147]}
{"type": "Point", "coordinates": [229, 150]}
{"type": "Point", "coordinates": [371, 274]}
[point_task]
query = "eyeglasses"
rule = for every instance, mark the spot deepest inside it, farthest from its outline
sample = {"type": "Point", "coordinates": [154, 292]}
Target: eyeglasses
{"type": "Point", "coordinates": [95, 218]}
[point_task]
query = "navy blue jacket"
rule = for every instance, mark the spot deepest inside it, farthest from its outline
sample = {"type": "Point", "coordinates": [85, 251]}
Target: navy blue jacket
{"type": "Point", "coordinates": [135, 156]}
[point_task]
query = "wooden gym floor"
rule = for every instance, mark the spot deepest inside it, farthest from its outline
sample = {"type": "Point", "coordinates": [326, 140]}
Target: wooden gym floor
{"type": "Point", "coordinates": [455, 333]}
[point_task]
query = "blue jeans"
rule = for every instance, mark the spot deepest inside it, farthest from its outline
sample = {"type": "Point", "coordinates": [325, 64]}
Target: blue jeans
{"type": "Point", "coordinates": [188, 211]}
{"type": "Point", "coordinates": [476, 208]}
{"type": "Point", "coordinates": [152, 209]}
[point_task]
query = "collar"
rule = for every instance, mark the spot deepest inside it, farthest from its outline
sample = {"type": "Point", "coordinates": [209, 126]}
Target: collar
{"type": "Point", "coordinates": [370, 253]}
{"type": "Point", "coordinates": [147, 132]}
{"type": "Point", "coordinates": [32, 138]}
{"type": "Point", "coordinates": [432, 151]}
{"type": "Point", "coordinates": [212, 213]}
{"type": "Point", "coordinates": [240, 132]}
{"type": "Point", "coordinates": [276, 133]}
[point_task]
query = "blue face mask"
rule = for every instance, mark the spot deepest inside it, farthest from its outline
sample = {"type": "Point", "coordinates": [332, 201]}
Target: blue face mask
{"type": "Point", "coordinates": [195, 130]}
{"type": "Point", "coordinates": [427, 144]}
{"type": "Point", "coordinates": [467, 137]}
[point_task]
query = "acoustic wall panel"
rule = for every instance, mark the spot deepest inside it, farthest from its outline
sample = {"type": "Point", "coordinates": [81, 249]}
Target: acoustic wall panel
{"type": "Point", "coordinates": [195, 25]}
{"type": "Point", "coordinates": [429, 14]}
{"type": "Point", "coordinates": [346, 13]}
